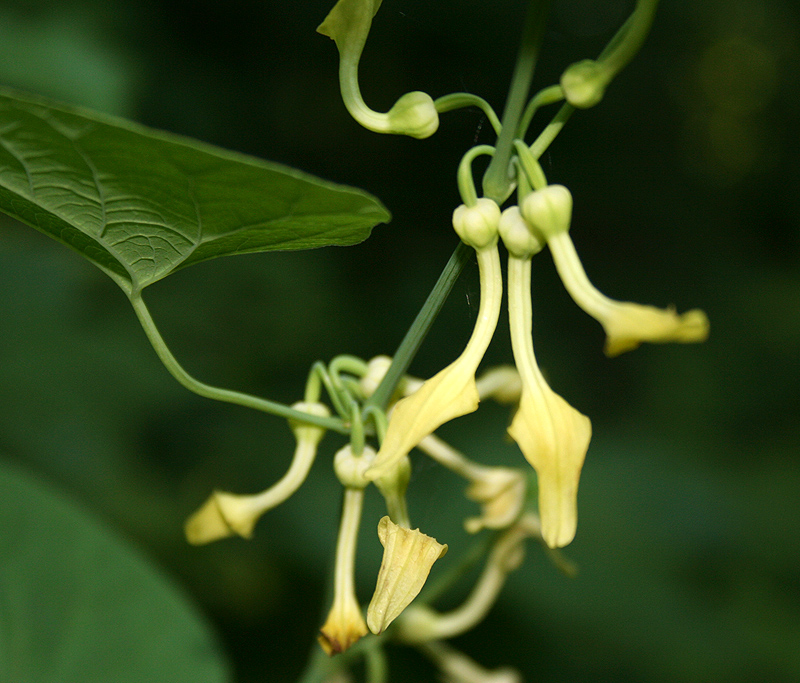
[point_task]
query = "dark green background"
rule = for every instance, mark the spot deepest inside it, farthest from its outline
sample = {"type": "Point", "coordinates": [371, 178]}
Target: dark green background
{"type": "Point", "coordinates": [686, 191]}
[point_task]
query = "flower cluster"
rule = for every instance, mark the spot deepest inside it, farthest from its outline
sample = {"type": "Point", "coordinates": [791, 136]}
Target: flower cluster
{"type": "Point", "coordinates": [552, 435]}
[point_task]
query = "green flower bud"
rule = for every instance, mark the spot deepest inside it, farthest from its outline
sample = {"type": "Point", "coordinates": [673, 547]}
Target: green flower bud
{"type": "Point", "coordinates": [477, 225]}
{"type": "Point", "coordinates": [584, 83]}
{"type": "Point", "coordinates": [548, 211]}
{"type": "Point", "coordinates": [348, 24]}
{"type": "Point", "coordinates": [414, 114]}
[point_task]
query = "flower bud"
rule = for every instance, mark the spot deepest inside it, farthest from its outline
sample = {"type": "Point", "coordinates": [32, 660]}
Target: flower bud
{"type": "Point", "coordinates": [407, 560]}
{"type": "Point", "coordinates": [517, 234]}
{"type": "Point", "coordinates": [415, 115]}
{"type": "Point", "coordinates": [348, 24]}
{"type": "Point", "coordinates": [477, 225]}
{"type": "Point", "coordinates": [309, 434]}
{"type": "Point", "coordinates": [584, 83]}
{"type": "Point", "coordinates": [350, 468]}
{"type": "Point", "coordinates": [548, 211]}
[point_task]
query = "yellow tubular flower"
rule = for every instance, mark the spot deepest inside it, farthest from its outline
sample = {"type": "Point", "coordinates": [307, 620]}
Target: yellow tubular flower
{"type": "Point", "coordinates": [551, 434]}
{"type": "Point", "coordinates": [348, 24]}
{"type": "Point", "coordinates": [345, 624]}
{"type": "Point", "coordinates": [452, 392]}
{"type": "Point", "coordinates": [500, 383]}
{"type": "Point", "coordinates": [626, 324]}
{"type": "Point", "coordinates": [225, 514]}
{"type": "Point", "coordinates": [407, 560]}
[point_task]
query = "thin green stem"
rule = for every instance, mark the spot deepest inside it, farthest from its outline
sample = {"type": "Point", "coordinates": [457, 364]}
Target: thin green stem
{"type": "Point", "coordinates": [466, 185]}
{"type": "Point", "coordinates": [421, 326]}
{"type": "Point", "coordinates": [458, 100]}
{"type": "Point", "coordinates": [497, 183]}
{"type": "Point", "coordinates": [551, 95]}
{"type": "Point", "coordinates": [530, 165]}
{"type": "Point", "coordinates": [376, 663]}
{"type": "Point", "coordinates": [319, 373]}
{"type": "Point", "coordinates": [628, 40]}
{"type": "Point", "coordinates": [549, 134]}
{"type": "Point", "coordinates": [225, 395]}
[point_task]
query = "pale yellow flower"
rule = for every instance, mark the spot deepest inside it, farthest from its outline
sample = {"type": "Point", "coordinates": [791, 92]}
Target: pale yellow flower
{"type": "Point", "coordinates": [456, 667]}
{"type": "Point", "coordinates": [626, 324]}
{"type": "Point", "coordinates": [551, 434]}
{"type": "Point", "coordinates": [554, 438]}
{"type": "Point", "coordinates": [500, 491]}
{"type": "Point", "coordinates": [452, 392]}
{"type": "Point", "coordinates": [408, 556]}
{"type": "Point", "coordinates": [224, 514]}
{"type": "Point", "coordinates": [500, 383]}
{"type": "Point", "coordinates": [345, 624]}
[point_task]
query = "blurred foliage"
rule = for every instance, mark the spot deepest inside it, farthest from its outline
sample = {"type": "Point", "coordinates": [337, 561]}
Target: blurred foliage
{"type": "Point", "coordinates": [686, 186]}
{"type": "Point", "coordinates": [79, 603]}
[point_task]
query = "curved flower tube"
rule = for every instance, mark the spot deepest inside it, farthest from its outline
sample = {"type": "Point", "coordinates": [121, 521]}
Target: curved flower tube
{"type": "Point", "coordinates": [452, 392]}
{"type": "Point", "coordinates": [551, 434]}
{"type": "Point", "coordinates": [345, 624]}
{"type": "Point", "coordinates": [420, 624]}
{"type": "Point", "coordinates": [627, 325]}
{"type": "Point", "coordinates": [225, 514]}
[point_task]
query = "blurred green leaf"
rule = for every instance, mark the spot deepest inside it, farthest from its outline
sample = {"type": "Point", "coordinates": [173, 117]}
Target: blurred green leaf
{"type": "Point", "coordinates": [78, 604]}
{"type": "Point", "coordinates": [141, 204]}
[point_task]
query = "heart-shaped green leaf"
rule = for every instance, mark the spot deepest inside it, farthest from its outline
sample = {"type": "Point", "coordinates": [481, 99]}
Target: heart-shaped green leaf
{"type": "Point", "coordinates": [141, 204]}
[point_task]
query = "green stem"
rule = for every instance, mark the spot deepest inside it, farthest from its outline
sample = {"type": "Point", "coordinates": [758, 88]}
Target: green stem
{"type": "Point", "coordinates": [530, 165]}
{"type": "Point", "coordinates": [549, 134]}
{"type": "Point", "coordinates": [628, 40]}
{"type": "Point", "coordinates": [466, 186]}
{"type": "Point", "coordinates": [225, 395]}
{"type": "Point", "coordinates": [421, 326]}
{"type": "Point", "coordinates": [376, 664]}
{"type": "Point", "coordinates": [457, 100]}
{"type": "Point", "coordinates": [551, 95]}
{"type": "Point", "coordinates": [496, 182]}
